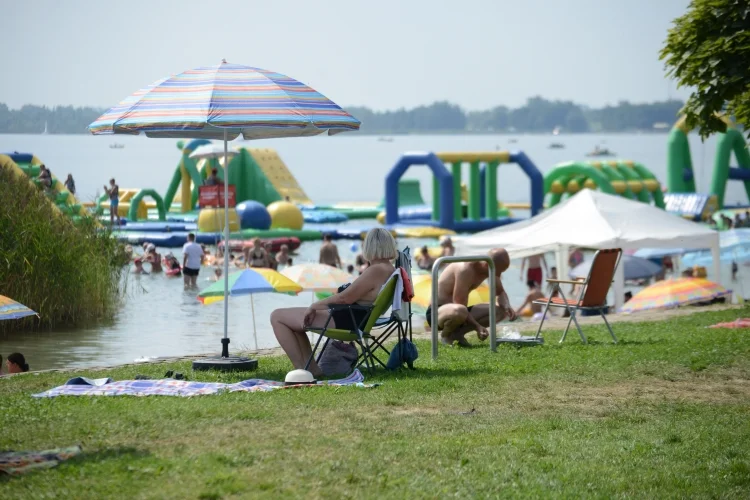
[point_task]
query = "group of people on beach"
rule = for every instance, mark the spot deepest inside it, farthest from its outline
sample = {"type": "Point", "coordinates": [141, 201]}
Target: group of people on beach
{"type": "Point", "coordinates": [15, 363]}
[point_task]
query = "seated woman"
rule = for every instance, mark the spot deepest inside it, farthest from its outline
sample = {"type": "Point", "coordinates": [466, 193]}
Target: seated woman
{"type": "Point", "coordinates": [290, 324]}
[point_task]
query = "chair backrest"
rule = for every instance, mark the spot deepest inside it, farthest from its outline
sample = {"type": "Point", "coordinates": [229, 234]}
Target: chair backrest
{"type": "Point", "coordinates": [600, 277]}
{"type": "Point", "coordinates": [383, 301]}
{"type": "Point", "coordinates": [403, 260]}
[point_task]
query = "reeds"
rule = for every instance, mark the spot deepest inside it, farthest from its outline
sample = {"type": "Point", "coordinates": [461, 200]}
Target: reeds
{"type": "Point", "coordinates": [68, 271]}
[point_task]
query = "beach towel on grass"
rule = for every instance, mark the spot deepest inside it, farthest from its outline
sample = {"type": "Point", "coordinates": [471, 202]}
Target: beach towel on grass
{"type": "Point", "coordinates": [738, 323]}
{"type": "Point", "coordinates": [183, 388]}
{"type": "Point", "coordinates": [19, 462]}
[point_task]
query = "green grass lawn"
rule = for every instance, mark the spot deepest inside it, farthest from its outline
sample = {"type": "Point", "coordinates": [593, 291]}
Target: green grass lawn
{"type": "Point", "coordinates": [666, 413]}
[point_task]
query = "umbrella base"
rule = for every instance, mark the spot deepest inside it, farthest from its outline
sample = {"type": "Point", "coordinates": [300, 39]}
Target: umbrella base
{"type": "Point", "coordinates": [522, 341]}
{"type": "Point", "coordinates": [228, 364]}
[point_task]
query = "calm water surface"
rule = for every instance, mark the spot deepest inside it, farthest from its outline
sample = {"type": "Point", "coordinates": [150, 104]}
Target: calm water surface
{"type": "Point", "coordinates": [158, 318]}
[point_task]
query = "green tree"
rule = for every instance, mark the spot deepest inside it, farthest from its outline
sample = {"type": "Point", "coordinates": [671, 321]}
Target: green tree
{"type": "Point", "coordinates": [708, 49]}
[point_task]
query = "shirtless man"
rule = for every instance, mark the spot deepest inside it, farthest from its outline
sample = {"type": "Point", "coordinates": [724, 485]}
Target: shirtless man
{"type": "Point", "coordinates": [534, 294]}
{"type": "Point", "coordinates": [329, 253]}
{"type": "Point", "coordinates": [534, 272]}
{"type": "Point", "coordinates": [455, 319]}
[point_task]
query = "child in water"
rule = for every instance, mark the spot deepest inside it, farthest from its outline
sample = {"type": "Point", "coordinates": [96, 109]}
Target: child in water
{"type": "Point", "coordinates": [139, 266]}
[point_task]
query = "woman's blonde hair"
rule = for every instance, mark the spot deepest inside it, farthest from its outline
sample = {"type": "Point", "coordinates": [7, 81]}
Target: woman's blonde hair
{"type": "Point", "coordinates": [379, 244]}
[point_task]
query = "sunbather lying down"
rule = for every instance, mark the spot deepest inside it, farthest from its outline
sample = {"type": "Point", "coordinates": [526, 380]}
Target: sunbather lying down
{"type": "Point", "coordinates": [455, 317]}
{"type": "Point", "coordinates": [290, 324]}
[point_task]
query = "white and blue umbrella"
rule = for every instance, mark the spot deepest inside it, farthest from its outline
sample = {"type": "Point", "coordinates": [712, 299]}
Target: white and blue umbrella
{"type": "Point", "coordinates": [635, 268]}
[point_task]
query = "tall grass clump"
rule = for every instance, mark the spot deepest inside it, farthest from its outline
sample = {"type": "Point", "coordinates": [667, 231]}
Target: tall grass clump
{"type": "Point", "coordinates": [68, 272]}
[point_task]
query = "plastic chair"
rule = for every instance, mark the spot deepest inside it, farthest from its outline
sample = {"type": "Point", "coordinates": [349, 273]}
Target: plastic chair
{"type": "Point", "coordinates": [362, 335]}
{"type": "Point", "coordinates": [593, 294]}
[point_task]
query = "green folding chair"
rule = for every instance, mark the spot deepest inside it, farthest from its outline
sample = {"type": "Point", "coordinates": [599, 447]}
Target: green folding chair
{"type": "Point", "coordinates": [362, 335]}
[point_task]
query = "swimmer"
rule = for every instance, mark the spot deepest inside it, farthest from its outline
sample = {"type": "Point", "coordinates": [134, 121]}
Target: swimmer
{"type": "Point", "coordinates": [139, 266]}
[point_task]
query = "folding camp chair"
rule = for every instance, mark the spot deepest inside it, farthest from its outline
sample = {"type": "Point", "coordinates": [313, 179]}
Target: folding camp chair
{"type": "Point", "coordinates": [362, 335]}
{"type": "Point", "coordinates": [593, 294]}
{"type": "Point", "coordinates": [399, 321]}
{"type": "Point", "coordinates": [390, 324]}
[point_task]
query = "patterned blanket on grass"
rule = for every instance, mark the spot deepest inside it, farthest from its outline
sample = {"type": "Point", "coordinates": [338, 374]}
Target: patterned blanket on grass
{"type": "Point", "coordinates": [170, 387]}
{"type": "Point", "coordinates": [20, 462]}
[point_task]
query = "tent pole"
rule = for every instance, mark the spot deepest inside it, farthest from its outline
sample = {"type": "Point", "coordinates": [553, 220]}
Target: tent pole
{"type": "Point", "coordinates": [619, 286]}
{"type": "Point", "coordinates": [716, 256]}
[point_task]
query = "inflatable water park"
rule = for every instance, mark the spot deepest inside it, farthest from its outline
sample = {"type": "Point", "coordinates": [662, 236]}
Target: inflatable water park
{"type": "Point", "coordinates": [267, 202]}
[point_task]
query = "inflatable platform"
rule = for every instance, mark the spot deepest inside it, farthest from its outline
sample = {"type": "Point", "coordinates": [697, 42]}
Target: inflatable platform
{"type": "Point", "coordinates": [26, 164]}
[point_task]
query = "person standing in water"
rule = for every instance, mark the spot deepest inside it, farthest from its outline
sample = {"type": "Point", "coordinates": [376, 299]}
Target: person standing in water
{"type": "Point", "coordinates": [113, 191]}
{"type": "Point", "coordinates": [534, 272]}
{"type": "Point", "coordinates": [329, 252]}
{"type": "Point", "coordinates": [192, 258]}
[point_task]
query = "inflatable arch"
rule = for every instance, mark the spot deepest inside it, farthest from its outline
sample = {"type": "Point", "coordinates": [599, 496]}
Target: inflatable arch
{"type": "Point", "coordinates": [442, 188]}
{"type": "Point", "coordinates": [483, 166]}
{"type": "Point", "coordinates": [136, 201]}
{"type": "Point", "coordinates": [680, 174]}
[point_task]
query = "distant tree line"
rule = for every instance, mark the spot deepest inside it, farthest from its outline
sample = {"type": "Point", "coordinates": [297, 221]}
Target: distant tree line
{"type": "Point", "coordinates": [31, 119]}
{"type": "Point", "coordinates": [537, 115]}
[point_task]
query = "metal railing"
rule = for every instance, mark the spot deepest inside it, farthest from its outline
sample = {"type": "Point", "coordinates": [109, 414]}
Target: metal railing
{"type": "Point", "coordinates": [434, 315]}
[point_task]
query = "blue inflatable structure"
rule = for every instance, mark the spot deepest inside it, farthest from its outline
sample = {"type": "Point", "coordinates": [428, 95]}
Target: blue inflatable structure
{"type": "Point", "coordinates": [447, 210]}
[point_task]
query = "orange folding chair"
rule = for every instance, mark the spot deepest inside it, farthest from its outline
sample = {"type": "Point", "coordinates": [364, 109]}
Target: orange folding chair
{"type": "Point", "coordinates": [592, 295]}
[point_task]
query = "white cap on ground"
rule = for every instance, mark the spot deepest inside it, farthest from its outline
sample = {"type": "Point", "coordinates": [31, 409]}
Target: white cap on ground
{"type": "Point", "coordinates": [299, 377]}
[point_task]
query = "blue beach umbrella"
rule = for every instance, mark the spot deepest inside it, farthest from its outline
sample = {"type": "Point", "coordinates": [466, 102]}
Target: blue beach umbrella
{"type": "Point", "coordinates": [635, 268]}
{"type": "Point", "coordinates": [224, 102]}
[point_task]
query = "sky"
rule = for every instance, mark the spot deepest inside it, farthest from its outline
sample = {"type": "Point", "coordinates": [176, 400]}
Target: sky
{"type": "Point", "coordinates": [386, 54]}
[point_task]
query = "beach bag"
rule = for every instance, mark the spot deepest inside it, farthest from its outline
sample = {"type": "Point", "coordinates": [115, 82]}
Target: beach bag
{"type": "Point", "coordinates": [403, 260]}
{"type": "Point", "coordinates": [403, 352]}
{"type": "Point", "coordinates": [338, 358]}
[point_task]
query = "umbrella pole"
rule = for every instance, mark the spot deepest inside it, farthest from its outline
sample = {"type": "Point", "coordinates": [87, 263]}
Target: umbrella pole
{"type": "Point", "coordinates": [255, 332]}
{"type": "Point", "coordinates": [227, 250]}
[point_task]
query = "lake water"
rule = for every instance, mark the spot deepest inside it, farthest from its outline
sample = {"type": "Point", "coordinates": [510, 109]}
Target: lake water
{"type": "Point", "coordinates": [159, 319]}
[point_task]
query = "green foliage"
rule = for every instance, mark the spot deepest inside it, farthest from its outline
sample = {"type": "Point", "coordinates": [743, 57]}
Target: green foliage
{"type": "Point", "coordinates": [66, 271]}
{"type": "Point", "coordinates": [634, 420]}
{"type": "Point", "coordinates": [708, 49]}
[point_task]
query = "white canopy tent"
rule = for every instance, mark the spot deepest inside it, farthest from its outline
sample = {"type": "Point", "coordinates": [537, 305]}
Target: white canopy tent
{"type": "Point", "coordinates": [592, 219]}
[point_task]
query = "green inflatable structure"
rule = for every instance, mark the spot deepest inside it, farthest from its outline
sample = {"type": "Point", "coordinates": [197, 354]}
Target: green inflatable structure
{"type": "Point", "coordinates": [133, 210]}
{"type": "Point", "coordinates": [244, 173]}
{"type": "Point", "coordinates": [680, 174]}
{"type": "Point", "coordinates": [409, 194]}
{"type": "Point", "coordinates": [623, 177]}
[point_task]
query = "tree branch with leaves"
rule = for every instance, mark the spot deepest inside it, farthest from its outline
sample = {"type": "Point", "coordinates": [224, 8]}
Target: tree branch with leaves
{"type": "Point", "coordinates": [708, 49]}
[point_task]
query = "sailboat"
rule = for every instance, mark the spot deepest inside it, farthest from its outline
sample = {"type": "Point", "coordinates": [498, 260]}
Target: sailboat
{"type": "Point", "coordinates": [45, 129]}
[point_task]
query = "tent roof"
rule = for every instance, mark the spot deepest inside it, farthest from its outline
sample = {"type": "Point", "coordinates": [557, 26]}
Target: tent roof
{"type": "Point", "coordinates": [592, 219]}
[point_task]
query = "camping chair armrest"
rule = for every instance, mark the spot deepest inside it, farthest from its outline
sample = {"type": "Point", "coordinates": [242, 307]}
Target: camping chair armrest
{"type": "Point", "coordinates": [340, 307]}
{"type": "Point", "coordinates": [568, 282]}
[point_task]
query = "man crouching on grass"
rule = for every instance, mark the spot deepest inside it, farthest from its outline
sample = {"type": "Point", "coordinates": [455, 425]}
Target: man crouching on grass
{"type": "Point", "coordinates": [455, 318]}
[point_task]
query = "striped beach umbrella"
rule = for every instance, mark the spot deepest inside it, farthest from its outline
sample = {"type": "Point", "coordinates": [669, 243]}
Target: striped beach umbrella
{"type": "Point", "coordinates": [10, 309]}
{"type": "Point", "coordinates": [674, 293]}
{"type": "Point", "coordinates": [317, 277]}
{"type": "Point", "coordinates": [225, 102]}
{"type": "Point", "coordinates": [249, 282]}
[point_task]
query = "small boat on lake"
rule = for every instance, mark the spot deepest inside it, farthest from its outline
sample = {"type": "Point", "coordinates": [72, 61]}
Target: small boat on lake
{"type": "Point", "coordinates": [116, 145]}
{"type": "Point", "coordinates": [597, 151]}
{"type": "Point", "coordinates": [557, 145]}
